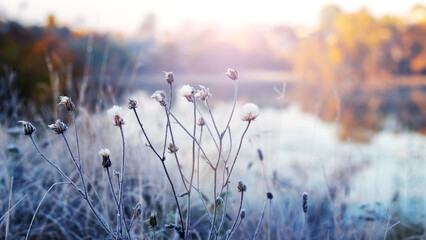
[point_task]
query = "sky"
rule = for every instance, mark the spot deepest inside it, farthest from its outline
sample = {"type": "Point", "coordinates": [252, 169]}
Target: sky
{"type": "Point", "coordinates": [126, 15]}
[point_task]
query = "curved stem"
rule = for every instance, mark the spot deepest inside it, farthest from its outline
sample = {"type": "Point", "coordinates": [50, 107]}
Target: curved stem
{"type": "Point", "coordinates": [231, 231]}
{"type": "Point", "coordinates": [76, 138]}
{"type": "Point", "coordinates": [38, 207]}
{"type": "Point", "coordinates": [236, 156]}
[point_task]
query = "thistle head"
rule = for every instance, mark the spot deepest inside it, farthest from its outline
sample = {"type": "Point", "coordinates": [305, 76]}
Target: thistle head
{"type": "Point", "coordinates": [203, 93]}
{"type": "Point", "coordinates": [201, 122]}
{"type": "Point", "coordinates": [133, 104]}
{"type": "Point", "coordinates": [152, 220]}
{"type": "Point", "coordinates": [232, 74]}
{"type": "Point", "coordinates": [172, 148]}
{"type": "Point", "coordinates": [114, 112]}
{"type": "Point", "coordinates": [187, 92]}
{"type": "Point", "coordinates": [106, 161]}
{"type": "Point", "coordinates": [58, 127]}
{"type": "Point", "coordinates": [249, 112]}
{"type": "Point", "coordinates": [138, 210]}
{"type": "Point", "coordinates": [66, 101]}
{"type": "Point", "coordinates": [29, 129]}
{"type": "Point", "coordinates": [241, 186]}
{"type": "Point", "coordinates": [170, 78]}
{"type": "Point", "coordinates": [160, 97]}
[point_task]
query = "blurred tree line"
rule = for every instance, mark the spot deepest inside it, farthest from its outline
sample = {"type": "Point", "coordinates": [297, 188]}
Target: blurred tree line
{"type": "Point", "coordinates": [49, 60]}
{"type": "Point", "coordinates": [359, 47]}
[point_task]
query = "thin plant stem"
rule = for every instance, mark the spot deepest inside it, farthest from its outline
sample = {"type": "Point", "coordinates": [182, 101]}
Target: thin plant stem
{"type": "Point", "coordinates": [8, 207]}
{"type": "Point", "coordinates": [174, 152]}
{"type": "Point", "coordinates": [190, 135]}
{"type": "Point", "coordinates": [86, 194]}
{"type": "Point", "coordinates": [188, 215]}
{"type": "Point", "coordinates": [237, 216]}
{"type": "Point", "coordinates": [38, 207]}
{"type": "Point", "coordinates": [238, 225]}
{"type": "Point", "coordinates": [236, 156]}
{"type": "Point", "coordinates": [260, 221]}
{"type": "Point", "coordinates": [122, 173]}
{"type": "Point", "coordinates": [16, 204]}
{"type": "Point", "coordinates": [76, 138]}
{"type": "Point", "coordinates": [233, 106]}
{"type": "Point", "coordinates": [56, 167]}
{"type": "Point", "coordinates": [162, 159]}
{"type": "Point", "coordinates": [211, 116]}
{"type": "Point", "coordinates": [222, 222]}
{"type": "Point", "coordinates": [112, 187]}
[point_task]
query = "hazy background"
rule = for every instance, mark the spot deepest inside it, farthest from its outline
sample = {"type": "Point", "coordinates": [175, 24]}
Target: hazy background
{"type": "Point", "coordinates": [341, 87]}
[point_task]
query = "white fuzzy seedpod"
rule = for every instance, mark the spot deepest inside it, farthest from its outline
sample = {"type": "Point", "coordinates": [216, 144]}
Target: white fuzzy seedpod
{"type": "Point", "coordinates": [160, 96]}
{"type": "Point", "coordinates": [106, 161]}
{"type": "Point", "coordinates": [187, 92]}
{"type": "Point", "coordinates": [249, 112]}
{"type": "Point", "coordinates": [114, 112]}
{"type": "Point", "coordinates": [104, 152]}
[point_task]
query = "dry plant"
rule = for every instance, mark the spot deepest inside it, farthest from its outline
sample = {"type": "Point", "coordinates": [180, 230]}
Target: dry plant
{"type": "Point", "coordinates": [221, 162]}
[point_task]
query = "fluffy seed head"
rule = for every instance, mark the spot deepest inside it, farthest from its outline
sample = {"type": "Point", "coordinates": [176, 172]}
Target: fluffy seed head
{"type": "Point", "coordinates": [28, 127]}
{"type": "Point", "coordinates": [241, 186]}
{"type": "Point", "coordinates": [106, 161]}
{"type": "Point", "coordinates": [160, 97]}
{"type": "Point", "coordinates": [232, 74]}
{"type": "Point", "coordinates": [169, 77]}
{"type": "Point", "coordinates": [114, 112]}
{"type": "Point", "coordinates": [249, 112]}
{"type": "Point", "coordinates": [187, 91]}
{"type": "Point", "coordinates": [58, 127]}
{"type": "Point", "coordinates": [68, 104]}
{"type": "Point", "coordinates": [133, 104]}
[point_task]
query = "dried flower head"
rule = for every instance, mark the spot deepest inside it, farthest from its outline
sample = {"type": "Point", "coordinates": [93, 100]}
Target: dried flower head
{"type": "Point", "coordinates": [114, 112]}
{"type": "Point", "coordinates": [29, 129]}
{"type": "Point", "coordinates": [249, 112]}
{"type": "Point", "coordinates": [232, 74]}
{"type": "Point", "coordinates": [106, 161]}
{"type": "Point", "coordinates": [152, 220]}
{"type": "Point", "coordinates": [160, 97]}
{"type": "Point", "coordinates": [138, 210]}
{"type": "Point", "coordinates": [305, 202]}
{"type": "Point", "coordinates": [187, 91]}
{"type": "Point", "coordinates": [68, 104]}
{"type": "Point", "coordinates": [203, 93]}
{"type": "Point", "coordinates": [241, 186]}
{"type": "Point", "coordinates": [172, 148]}
{"type": "Point", "coordinates": [58, 127]}
{"type": "Point", "coordinates": [133, 104]}
{"type": "Point", "coordinates": [243, 214]}
{"type": "Point", "coordinates": [201, 122]}
{"type": "Point", "coordinates": [169, 77]}
{"type": "Point", "coordinates": [269, 195]}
